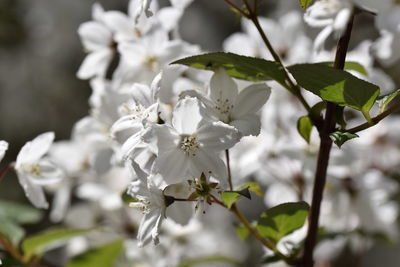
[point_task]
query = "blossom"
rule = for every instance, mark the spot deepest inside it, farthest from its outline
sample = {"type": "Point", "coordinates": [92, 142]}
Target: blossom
{"type": "Point", "coordinates": [232, 107]}
{"type": "Point", "coordinates": [34, 170]}
{"type": "Point", "coordinates": [192, 143]}
{"type": "Point", "coordinates": [3, 148]}
{"type": "Point", "coordinates": [151, 201]}
{"type": "Point", "coordinates": [97, 39]}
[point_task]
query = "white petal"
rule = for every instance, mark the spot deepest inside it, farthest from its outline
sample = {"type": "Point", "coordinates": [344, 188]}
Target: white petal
{"type": "Point", "coordinates": [97, 12]}
{"type": "Point", "coordinates": [120, 24]}
{"type": "Point", "coordinates": [94, 36]}
{"type": "Point", "coordinates": [142, 94]}
{"type": "Point", "coordinates": [208, 162]}
{"type": "Point", "coordinates": [249, 124]}
{"type": "Point", "coordinates": [319, 41]}
{"type": "Point", "coordinates": [161, 138]}
{"type": "Point", "coordinates": [169, 17]}
{"type": "Point", "coordinates": [217, 136]}
{"type": "Point", "coordinates": [3, 148]}
{"type": "Point", "coordinates": [35, 149]}
{"type": "Point", "coordinates": [130, 145]}
{"type": "Point", "coordinates": [33, 192]}
{"type": "Point", "coordinates": [173, 165]}
{"type": "Point", "coordinates": [251, 99]}
{"type": "Point", "coordinates": [95, 64]}
{"type": "Point", "coordinates": [61, 202]}
{"type": "Point", "coordinates": [127, 122]}
{"type": "Point", "coordinates": [149, 227]}
{"type": "Point", "coordinates": [341, 20]}
{"type": "Point", "coordinates": [133, 53]}
{"type": "Point", "coordinates": [222, 87]}
{"type": "Point", "coordinates": [187, 115]}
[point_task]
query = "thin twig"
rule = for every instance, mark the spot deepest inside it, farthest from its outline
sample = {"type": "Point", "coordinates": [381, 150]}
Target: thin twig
{"type": "Point", "coordinates": [228, 166]}
{"type": "Point", "coordinates": [5, 170]}
{"type": "Point", "coordinates": [11, 249]}
{"type": "Point", "coordinates": [235, 7]}
{"type": "Point", "coordinates": [375, 120]}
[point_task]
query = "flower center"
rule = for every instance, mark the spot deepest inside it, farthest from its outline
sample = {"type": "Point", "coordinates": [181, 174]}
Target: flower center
{"type": "Point", "coordinates": [136, 110]}
{"type": "Point", "coordinates": [151, 63]}
{"type": "Point", "coordinates": [224, 107]}
{"type": "Point", "coordinates": [142, 205]}
{"type": "Point", "coordinates": [189, 144]}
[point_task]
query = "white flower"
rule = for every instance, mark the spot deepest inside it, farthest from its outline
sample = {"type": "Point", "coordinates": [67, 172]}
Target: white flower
{"type": "Point", "coordinates": [332, 15]}
{"type": "Point", "coordinates": [190, 146]}
{"type": "Point", "coordinates": [35, 171]}
{"type": "Point", "coordinates": [3, 148]}
{"type": "Point", "coordinates": [151, 201]}
{"type": "Point", "coordinates": [97, 39]}
{"type": "Point", "coordinates": [141, 61]}
{"type": "Point", "coordinates": [232, 107]}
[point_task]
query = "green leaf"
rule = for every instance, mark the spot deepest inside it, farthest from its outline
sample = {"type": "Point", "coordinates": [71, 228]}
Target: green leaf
{"type": "Point", "coordinates": [305, 3]}
{"type": "Point", "coordinates": [282, 220]}
{"type": "Point", "coordinates": [339, 138]}
{"type": "Point", "coordinates": [11, 230]}
{"type": "Point", "coordinates": [318, 108]}
{"type": "Point", "coordinates": [240, 67]}
{"type": "Point", "coordinates": [19, 213]}
{"type": "Point", "coordinates": [384, 101]}
{"type": "Point", "coordinates": [350, 65]}
{"type": "Point", "coordinates": [336, 86]}
{"type": "Point", "coordinates": [103, 256]}
{"type": "Point", "coordinates": [230, 197]}
{"type": "Point", "coordinates": [304, 127]}
{"type": "Point", "coordinates": [253, 187]}
{"type": "Point", "coordinates": [271, 259]}
{"type": "Point", "coordinates": [42, 242]}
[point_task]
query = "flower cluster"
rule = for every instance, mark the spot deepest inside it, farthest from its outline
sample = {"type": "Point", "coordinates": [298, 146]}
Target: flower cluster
{"type": "Point", "coordinates": [171, 139]}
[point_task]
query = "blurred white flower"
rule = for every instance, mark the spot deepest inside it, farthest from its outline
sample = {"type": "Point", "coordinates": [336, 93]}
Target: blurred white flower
{"type": "Point", "coordinates": [97, 39]}
{"type": "Point", "coordinates": [34, 170]}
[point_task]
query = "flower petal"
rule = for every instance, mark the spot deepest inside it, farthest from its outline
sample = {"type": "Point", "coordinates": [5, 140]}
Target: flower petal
{"type": "Point", "coordinates": [217, 136]}
{"type": "Point", "coordinates": [94, 36]}
{"type": "Point", "coordinates": [149, 227]}
{"type": "Point", "coordinates": [222, 87]}
{"type": "Point", "coordinates": [251, 99]}
{"type": "Point", "coordinates": [32, 151]}
{"type": "Point", "coordinates": [173, 166]}
{"type": "Point", "coordinates": [205, 162]}
{"type": "Point", "coordinates": [187, 115]}
{"type": "Point", "coordinates": [249, 124]}
{"type": "Point", "coordinates": [3, 148]}
{"type": "Point", "coordinates": [95, 64]}
{"type": "Point", "coordinates": [33, 192]}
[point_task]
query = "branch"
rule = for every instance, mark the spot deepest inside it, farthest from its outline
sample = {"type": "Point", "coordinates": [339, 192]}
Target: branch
{"type": "Point", "coordinates": [238, 9]}
{"type": "Point", "coordinates": [375, 120]}
{"type": "Point", "coordinates": [323, 155]}
{"type": "Point", "coordinates": [13, 251]}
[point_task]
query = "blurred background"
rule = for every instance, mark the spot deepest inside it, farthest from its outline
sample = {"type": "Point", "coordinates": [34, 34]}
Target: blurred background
{"type": "Point", "coordinates": [40, 52]}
